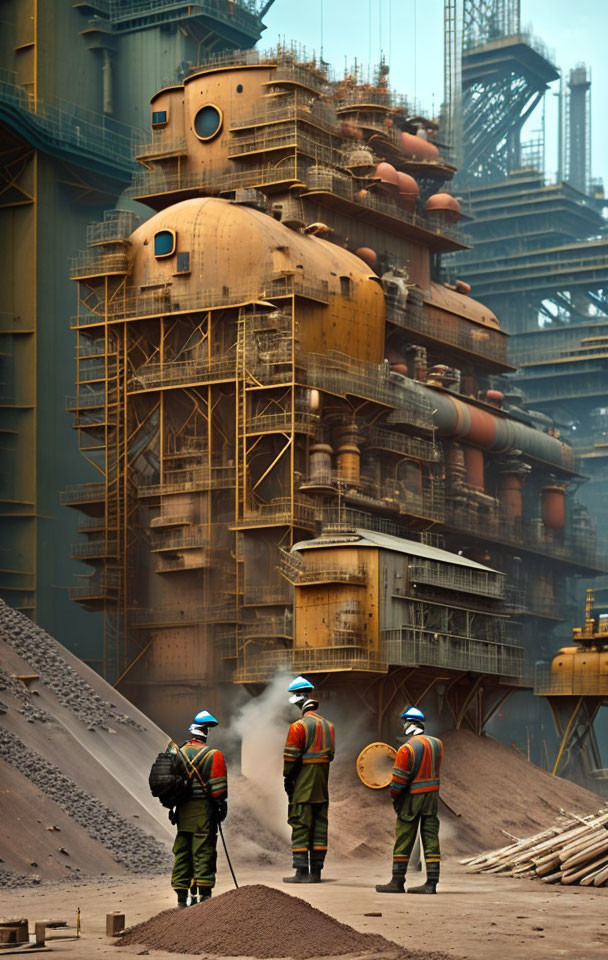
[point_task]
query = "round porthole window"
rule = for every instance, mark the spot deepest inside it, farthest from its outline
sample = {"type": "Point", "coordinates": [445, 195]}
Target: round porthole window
{"type": "Point", "coordinates": [208, 122]}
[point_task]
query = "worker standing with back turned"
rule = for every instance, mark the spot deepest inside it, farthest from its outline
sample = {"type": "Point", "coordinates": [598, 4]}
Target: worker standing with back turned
{"type": "Point", "coordinates": [414, 791]}
{"type": "Point", "coordinates": [309, 751]}
{"type": "Point", "coordinates": [195, 847]}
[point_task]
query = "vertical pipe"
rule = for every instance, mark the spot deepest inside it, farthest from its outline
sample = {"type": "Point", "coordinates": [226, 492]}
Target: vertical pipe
{"type": "Point", "coordinates": [560, 131]}
{"type": "Point", "coordinates": [106, 80]}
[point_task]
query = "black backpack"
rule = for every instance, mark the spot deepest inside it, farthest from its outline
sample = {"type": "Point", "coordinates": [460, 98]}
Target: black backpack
{"type": "Point", "coordinates": [169, 780]}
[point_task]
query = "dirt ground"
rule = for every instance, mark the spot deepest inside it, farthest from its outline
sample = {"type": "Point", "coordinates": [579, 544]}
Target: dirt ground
{"type": "Point", "coordinates": [472, 918]}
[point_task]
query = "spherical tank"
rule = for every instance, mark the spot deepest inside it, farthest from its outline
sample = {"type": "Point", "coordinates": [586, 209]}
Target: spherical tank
{"type": "Point", "coordinates": [562, 668]}
{"type": "Point", "coordinates": [386, 173]}
{"type": "Point", "coordinates": [238, 253]}
{"type": "Point", "coordinates": [444, 205]}
{"type": "Point", "coordinates": [554, 507]}
{"type": "Point", "coordinates": [408, 190]}
{"type": "Point", "coordinates": [369, 256]}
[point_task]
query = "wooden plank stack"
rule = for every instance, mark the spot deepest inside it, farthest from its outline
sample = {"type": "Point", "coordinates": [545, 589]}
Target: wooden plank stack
{"type": "Point", "coordinates": [573, 850]}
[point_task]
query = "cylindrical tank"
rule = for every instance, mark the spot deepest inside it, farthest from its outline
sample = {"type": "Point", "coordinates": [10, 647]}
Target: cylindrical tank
{"type": "Point", "coordinates": [495, 397]}
{"type": "Point", "coordinates": [408, 190]}
{"type": "Point", "coordinates": [455, 465]}
{"type": "Point", "coordinates": [369, 256]}
{"type": "Point", "coordinates": [320, 461]}
{"type": "Point", "coordinates": [443, 205]}
{"type": "Point", "coordinates": [314, 401]}
{"type": "Point", "coordinates": [348, 455]}
{"type": "Point", "coordinates": [553, 499]}
{"type": "Point", "coordinates": [474, 464]}
{"type": "Point", "coordinates": [510, 496]}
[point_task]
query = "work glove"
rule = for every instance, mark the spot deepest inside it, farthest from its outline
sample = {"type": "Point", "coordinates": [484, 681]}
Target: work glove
{"type": "Point", "coordinates": [173, 816]}
{"type": "Point", "coordinates": [288, 784]}
{"type": "Point", "coordinates": [221, 810]}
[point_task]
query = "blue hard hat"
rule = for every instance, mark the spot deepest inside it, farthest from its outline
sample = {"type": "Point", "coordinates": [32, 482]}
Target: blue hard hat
{"type": "Point", "coordinates": [299, 685]}
{"type": "Point", "coordinates": [205, 719]}
{"type": "Point", "coordinates": [412, 714]}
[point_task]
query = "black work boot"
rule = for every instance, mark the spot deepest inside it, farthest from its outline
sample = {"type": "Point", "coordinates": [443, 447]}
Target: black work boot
{"type": "Point", "coordinates": [182, 899]}
{"type": "Point", "coordinates": [204, 893]}
{"type": "Point", "coordinates": [315, 873]}
{"type": "Point", "coordinates": [429, 887]}
{"type": "Point", "coordinates": [396, 884]}
{"type": "Point", "coordinates": [300, 876]}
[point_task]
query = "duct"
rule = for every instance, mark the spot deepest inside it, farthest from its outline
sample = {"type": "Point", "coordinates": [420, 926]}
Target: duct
{"type": "Point", "coordinates": [455, 418]}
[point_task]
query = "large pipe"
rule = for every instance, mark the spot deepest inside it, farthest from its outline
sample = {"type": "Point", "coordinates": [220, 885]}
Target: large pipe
{"type": "Point", "coordinates": [455, 418]}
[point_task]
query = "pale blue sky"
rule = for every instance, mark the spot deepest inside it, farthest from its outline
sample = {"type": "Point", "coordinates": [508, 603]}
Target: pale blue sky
{"type": "Point", "coordinates": [410, 32]}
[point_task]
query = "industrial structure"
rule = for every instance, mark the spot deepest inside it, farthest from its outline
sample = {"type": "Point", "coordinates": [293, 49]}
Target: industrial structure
{"type": "Point", "coordinates": [74, 90]}
{"type": "Point", "coordinates": [576, 686]}
{"type": "Point", "coordinates": [539, 254]}
{"type": "Point", "coordinates": [540, 248]}
{"type": "Point", "coordinates": [304, 462]}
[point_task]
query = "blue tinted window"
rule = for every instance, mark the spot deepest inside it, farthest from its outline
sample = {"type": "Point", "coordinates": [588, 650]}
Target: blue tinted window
{"type": "Point", "coordinates": [164, 243]}
{"type": "Point", "coordinates": [159, 117]}
{"type": "Point", "coordinates": [207, 122]}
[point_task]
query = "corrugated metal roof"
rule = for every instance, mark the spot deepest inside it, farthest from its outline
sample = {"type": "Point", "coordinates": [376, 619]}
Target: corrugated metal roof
{"type": "Point", "coordinates": [384, 541]}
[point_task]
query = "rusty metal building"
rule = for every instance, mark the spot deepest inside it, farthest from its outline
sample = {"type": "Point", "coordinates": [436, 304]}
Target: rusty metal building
{"type": "Point", "coordinates": [304, 464]}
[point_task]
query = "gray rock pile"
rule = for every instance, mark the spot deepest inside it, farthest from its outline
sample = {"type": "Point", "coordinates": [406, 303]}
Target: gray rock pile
{"type": "Point", "coordinates": [128, 844]}
{"type": "Point", "coordinates": [28, 707]}
{"type": "Point", "coordinates": [43, 654]}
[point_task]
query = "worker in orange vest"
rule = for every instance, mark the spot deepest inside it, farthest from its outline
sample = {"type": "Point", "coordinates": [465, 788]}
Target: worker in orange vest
{"type": "Point", "coordinates": [308, 753]}
{"type": "Point", "coordinates": [414, 791]}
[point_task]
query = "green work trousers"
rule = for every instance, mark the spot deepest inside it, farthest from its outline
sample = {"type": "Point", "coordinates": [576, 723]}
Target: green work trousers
{"type": "Point", "coordinates": [195, 847]}
{"type": "Point", "coordinates": [417, 810]}
{"type": "Point", "coordinates": [308, 822]}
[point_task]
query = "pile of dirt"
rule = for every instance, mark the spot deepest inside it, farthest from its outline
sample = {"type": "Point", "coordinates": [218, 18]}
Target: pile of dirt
{"type": "Point", "coordinates": [496, 790]}
{"type": "Point", "coordinates": [488, 785]}
{"type": "Point", "coordinates": [258, 921]}
{"type": "Point", "coordinates": [74, 762]}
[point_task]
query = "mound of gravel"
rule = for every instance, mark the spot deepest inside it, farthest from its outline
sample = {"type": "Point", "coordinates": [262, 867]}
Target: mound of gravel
{"type": "Point", "coordinates": [128, 844]}
{"type": "Point", "coordinates": [258, 921]}
{"type": "Point", "coordinates": [43, 653]}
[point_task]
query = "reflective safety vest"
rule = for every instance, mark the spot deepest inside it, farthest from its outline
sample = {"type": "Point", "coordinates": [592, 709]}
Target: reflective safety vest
{"type": "Point", "coordinates": [417, 766]}
{"type": "Point", "coordinates": [211, 766]}
{"type": "Point", "coordinates": [309, 740]}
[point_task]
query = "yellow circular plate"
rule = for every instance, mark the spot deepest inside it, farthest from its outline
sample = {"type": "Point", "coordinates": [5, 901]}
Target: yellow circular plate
{"type": "Point", "coordinates": [375, 765]}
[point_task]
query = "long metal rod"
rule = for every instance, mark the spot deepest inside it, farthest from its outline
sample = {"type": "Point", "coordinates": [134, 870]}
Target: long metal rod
{"type": "Point", "coordinates": [227, 856]}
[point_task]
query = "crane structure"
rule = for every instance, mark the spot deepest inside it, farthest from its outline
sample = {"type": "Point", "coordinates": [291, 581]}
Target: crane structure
{"type": "Point", "coordinates": [495, 77]}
